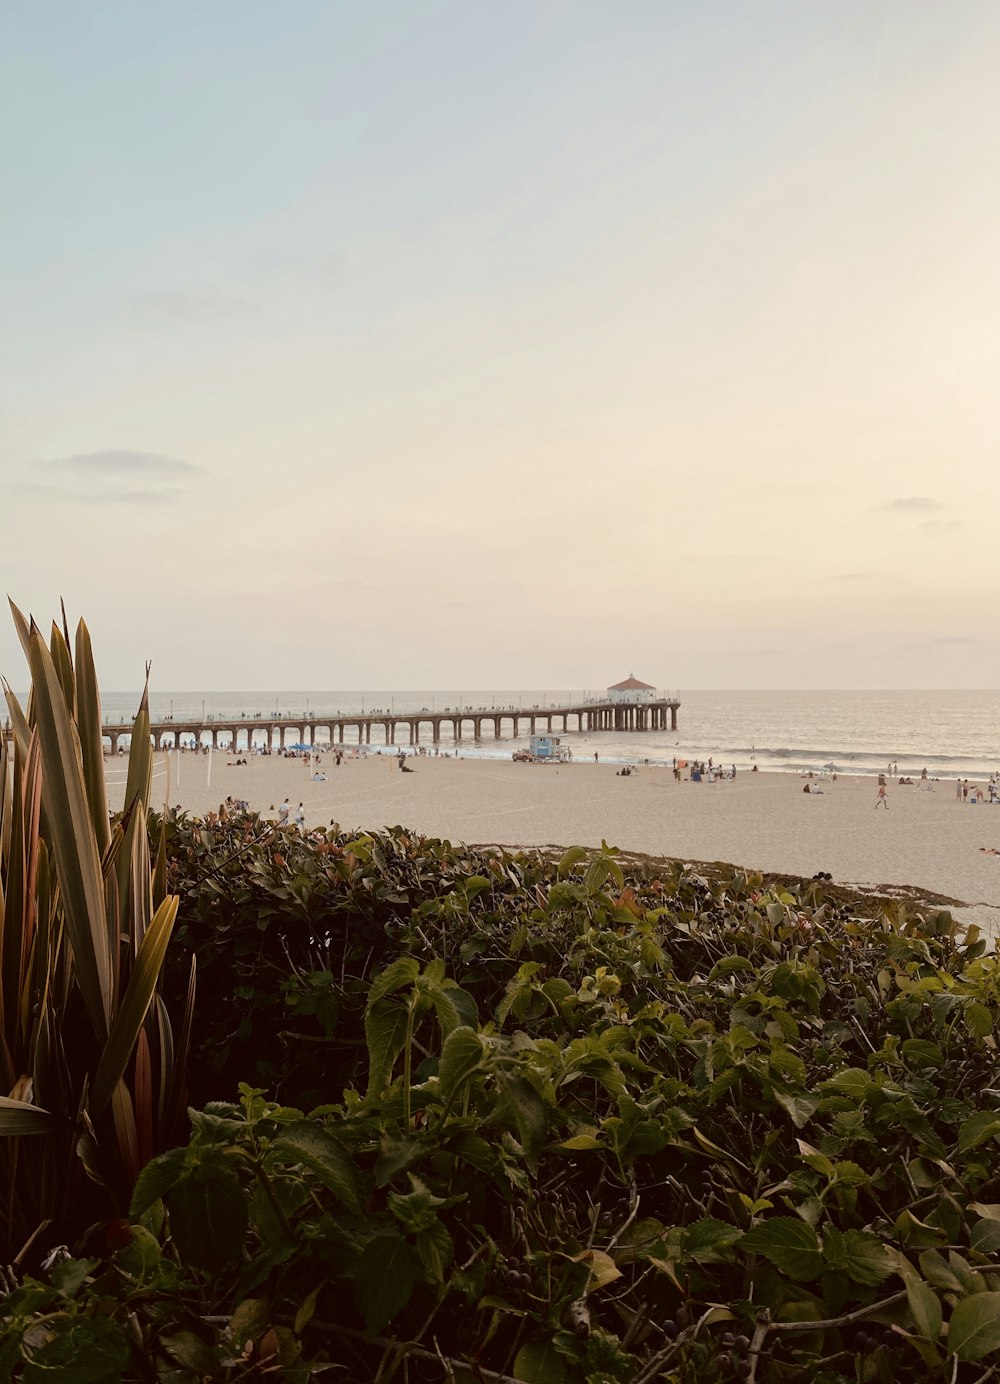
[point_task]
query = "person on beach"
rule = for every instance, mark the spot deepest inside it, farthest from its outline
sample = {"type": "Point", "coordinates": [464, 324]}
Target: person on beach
{"type": "Point", "coordinates": [283, 812]}
{"type": "Point", "coordinates": [965, 790]}
{"type": "Point", "coordinates": [882, 798]}
{"type": "Point", "coordinates": [300, 817]}
{"type": "Point", "coordinates": [958, 789]}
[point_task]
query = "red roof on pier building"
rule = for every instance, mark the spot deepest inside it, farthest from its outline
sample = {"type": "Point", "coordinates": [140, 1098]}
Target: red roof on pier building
{"type": "Point", "coordinates": [631, 684]}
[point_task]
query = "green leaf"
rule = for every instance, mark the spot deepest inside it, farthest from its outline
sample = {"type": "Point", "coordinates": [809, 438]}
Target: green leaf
{"type": "Point", "coordinates": [925, 1307]}
{"type": "Point", "coordinates": [706, 1238]}
{"type": "Point", "coordinates": [729, 965]}
{"type": "Point", "coordinates": [571, 858]}
{"type": "Point", "coordinates": [977, 1129]}
{"type": "Point", "coordinates": [395, 1156]}
{"type": "Point", "coordinates": [307, 1310]}
{"type": "Point", "coordinates": [791, 1246]}
{"type": "Point", "coordinates": [863, 1257]}
{"type": "Point", "coordinates": [209, 1212]}
{"type": "Point", "coordinates": [800, 1106]}
{"type": "Point", "coordinates": [920, 1053]}
{"type": "Point", "coordinates": [978, 1020]}
{"type": "Point", "coordinates": [79, 1350]}
{"type": "Point", "coordinates": [70, 1276]}
{"type": "Point", "coordinates": [396, 976]}
{"type": "Point", "coordinates": [385, 1031]}
{"type": "Point", "coordinates": [134, 1006]}
{"type": "Point", "coordinates": [937, 1270]}
{"type": "Point", "coordinates": [18, 1117]}
{"type": "Point", "coordinates": [531, 1115]}
{"type": "Point", "coordinates": [190, 1351]}
{"type": "Point", "coordinates": [460, 1057]}
{"type": "Point", "coordinates": [317, 1149]}
{"type": "Point", "coordinates": [974, 1328]}
{"type": "Point", "coordinates": [985, 1237]}
{"type": "Point", "coordinates": [88, 716]}
{"type": "Point", "coordinates": [71, 832]}
{"type": "Point", "coordinates": [435, 1250]}
{"type": "Point", "coordinates": [156, 1179]}
{"type": "Point", "coordinates": [538, 1362]}
{"type": "Point", "coordinates": [384, 1278]}
{"type": "Point", "coordinates": [250, 1320]}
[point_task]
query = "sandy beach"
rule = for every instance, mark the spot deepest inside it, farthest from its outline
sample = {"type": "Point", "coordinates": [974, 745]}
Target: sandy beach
{"type": "Point", "coordinates": [926, 838]}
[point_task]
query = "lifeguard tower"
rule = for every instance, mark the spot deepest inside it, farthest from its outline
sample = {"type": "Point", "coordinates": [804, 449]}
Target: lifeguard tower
{"type": "Point", "coordinates": [549, 749]}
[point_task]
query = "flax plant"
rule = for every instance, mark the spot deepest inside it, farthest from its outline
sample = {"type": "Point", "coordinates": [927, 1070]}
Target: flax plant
{"type": "Point", "coordinates": [93, 1074]}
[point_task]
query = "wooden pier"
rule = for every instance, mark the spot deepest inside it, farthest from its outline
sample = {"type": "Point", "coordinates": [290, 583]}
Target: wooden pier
{"type": "Point", "coordinates": [280, 732]}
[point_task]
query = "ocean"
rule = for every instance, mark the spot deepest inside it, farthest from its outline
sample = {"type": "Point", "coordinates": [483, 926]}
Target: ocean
{"type": "Point", "coordinates": [949, 733]}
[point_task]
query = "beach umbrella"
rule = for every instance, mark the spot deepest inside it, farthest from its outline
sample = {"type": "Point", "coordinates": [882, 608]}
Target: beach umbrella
{"type": "Point", "coordinates": [299, 746]}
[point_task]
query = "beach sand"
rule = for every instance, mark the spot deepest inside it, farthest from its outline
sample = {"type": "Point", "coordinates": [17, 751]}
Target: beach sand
{"type": "Point", "coordinates": [762, 821]}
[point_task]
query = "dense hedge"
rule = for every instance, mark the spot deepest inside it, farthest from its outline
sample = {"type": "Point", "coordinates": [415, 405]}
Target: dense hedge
{"type": "Point", "coordinates": [503, 1116]}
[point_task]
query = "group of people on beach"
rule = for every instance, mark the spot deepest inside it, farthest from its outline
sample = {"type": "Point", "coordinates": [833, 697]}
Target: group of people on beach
{"type": "Point", "coordinates": [285, 815]}
{"type": "Point", "coordinates": [704, 773]}
{"type": "Point", "coordinates": [971, 794]}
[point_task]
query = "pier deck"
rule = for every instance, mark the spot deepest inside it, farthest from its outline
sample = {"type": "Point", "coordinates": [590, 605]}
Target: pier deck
{"type": "Point", "coordinates": [280, 731]}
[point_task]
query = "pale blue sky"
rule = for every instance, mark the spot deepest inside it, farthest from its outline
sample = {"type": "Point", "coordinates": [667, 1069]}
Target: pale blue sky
{"type": "Point", "coordinates": [439, 344]}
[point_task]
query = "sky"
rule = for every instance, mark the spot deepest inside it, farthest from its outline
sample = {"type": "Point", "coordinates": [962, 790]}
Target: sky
{"type": "Point", "coordinates": [438, 343]}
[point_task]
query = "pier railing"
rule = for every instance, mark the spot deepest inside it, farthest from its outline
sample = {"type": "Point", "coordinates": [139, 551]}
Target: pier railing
{"type": "Point", "coordinates": [286, 729]}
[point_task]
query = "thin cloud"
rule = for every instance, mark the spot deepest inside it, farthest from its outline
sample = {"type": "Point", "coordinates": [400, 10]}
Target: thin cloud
{"type": "Point", "coordinates": [955, 639]}
{"type": "Point", "coordinates": [908, 504]}
{"type": "Point", "coordinates": [116, 462]}
{"type": "Point", "coordinates": [941, 525]}
{"type": "Point", "coordinates": [117, 476]}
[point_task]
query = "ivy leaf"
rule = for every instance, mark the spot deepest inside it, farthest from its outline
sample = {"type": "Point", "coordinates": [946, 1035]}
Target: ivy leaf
{"type": "Point", "coordinates": [974, 1328]}
{"type": "Point", "coordinates": [384, 1279]}
{"type": "Point", "coordinates": [316, 1148]}
{"type": "Point", "coordinates": [791, 1246]}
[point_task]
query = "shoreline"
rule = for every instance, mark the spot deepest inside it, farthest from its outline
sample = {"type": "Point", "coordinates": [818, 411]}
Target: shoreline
{"type": "Point", "coordinates": [926, 841]}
